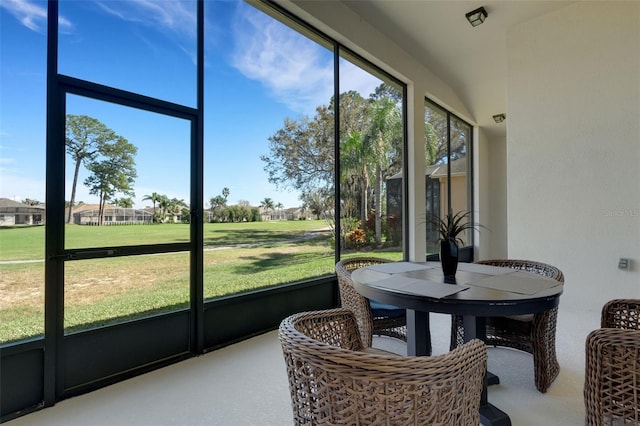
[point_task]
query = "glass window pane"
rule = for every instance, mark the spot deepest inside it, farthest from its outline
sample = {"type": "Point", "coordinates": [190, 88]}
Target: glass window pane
{"type": "Point", "coordinates": [269, 152]}
{"type": "Point", "coordinates": [436, 172]}
{"type": "Point", "coordinates": [371, 159]}
{"type": "Point", "coordinates": [127, 176]}
{"type": "Point", "coordinates": [101, 292]}
{"type": "Point", "coordinates": [23, 46]}
{"type": "Point", "coordinates": [460, 170]}
{"type": "Point", "coordinates": [447, 170]}
{"type": "Point", "coordinates": [147, 47]}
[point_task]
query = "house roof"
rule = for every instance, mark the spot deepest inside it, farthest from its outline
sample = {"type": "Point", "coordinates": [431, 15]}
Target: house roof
{"type": "Point", "coordinates": [7, 205]}
{"type": "Point", "coordinates": [458, 168]}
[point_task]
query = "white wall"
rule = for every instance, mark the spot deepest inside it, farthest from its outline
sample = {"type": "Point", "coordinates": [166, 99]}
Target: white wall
{"type": "Point", "coordinates": [573, 147]}
{"type": "Point", "coordinates": [495, 191]}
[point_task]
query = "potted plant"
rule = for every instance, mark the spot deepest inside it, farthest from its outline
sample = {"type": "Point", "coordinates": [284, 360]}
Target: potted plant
{"type": "Point", "coordinates": [451, 227]}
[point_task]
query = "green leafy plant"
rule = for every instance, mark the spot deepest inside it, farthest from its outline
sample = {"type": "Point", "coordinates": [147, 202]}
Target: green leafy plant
{"type": "Point", "coordinates": [451, 226]}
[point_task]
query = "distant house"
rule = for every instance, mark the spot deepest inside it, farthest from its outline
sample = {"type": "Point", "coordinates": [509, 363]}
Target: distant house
{"type": "Point", "coordinates": [291, 213]}
{"type": "Point", "coordinates": [87, 214]}
{"type": "Point", "coordinates": [15, 213]}
{"type": "Point", "coordinates": [297, 213]}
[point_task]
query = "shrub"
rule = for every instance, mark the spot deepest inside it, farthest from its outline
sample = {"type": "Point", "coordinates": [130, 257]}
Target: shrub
{"type": "Point", "coordinates": [356, 238]}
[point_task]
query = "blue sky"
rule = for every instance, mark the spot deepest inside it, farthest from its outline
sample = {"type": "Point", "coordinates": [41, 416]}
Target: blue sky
{"type": "Point", "coordinates": [257, 72]}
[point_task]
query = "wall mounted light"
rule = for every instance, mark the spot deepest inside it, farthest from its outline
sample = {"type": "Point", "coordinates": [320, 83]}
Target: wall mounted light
{"type": "Point", "coordinates": [476, 17]}
{"type": "Point", "coordinates": [499, 118]}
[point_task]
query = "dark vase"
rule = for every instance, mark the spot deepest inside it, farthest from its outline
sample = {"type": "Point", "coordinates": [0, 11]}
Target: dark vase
{"type": "Point", "coordinates": [449, 257]}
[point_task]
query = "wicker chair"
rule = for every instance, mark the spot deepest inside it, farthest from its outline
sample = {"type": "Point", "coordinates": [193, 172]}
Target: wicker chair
{"type": "Point", "coordinates": [334, 379]}
{"type": "Point", "coordinates": [612, 367]}
{"type": "Point", "coordinates": [374, 318]}
{"type": "Point", "coordinates": [535, 333]}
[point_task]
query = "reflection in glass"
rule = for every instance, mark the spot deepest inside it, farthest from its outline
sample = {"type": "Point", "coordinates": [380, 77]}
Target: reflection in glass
{"type": "Point", "coordinates": [109, 291]}
{"type": "Point", "coordinates": [460, 170]}
{"type": "Point", "coordinates": [447, 170]}
{"type": "Point", "coordinates": [371, 159]}
{"type": "Point", "coordinates": [127, 169]}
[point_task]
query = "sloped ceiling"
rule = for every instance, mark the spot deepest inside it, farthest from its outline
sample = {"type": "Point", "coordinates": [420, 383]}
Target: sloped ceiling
{"type": "Point", "coordinates": [471, 60]}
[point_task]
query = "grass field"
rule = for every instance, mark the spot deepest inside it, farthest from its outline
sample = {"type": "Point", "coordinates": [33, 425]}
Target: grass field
{"type": "Point", "coordinates": [237, 258]}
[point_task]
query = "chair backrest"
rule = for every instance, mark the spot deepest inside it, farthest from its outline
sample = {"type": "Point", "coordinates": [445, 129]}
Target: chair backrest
{"type": "Point", "coordinates": [539, 268]}
{"type": "Point", "coordinates": [351, 299]}
{"type": "Point", "coordinates": [331, 382]}
{"type": "Point", "coordinates": [621, 313]}
{"type": "Point", "coordinates": [611, 386]}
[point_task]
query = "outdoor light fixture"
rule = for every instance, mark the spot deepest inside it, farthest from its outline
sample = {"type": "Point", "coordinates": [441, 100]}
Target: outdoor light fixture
{"type": "Point", "coordinates": [476, 17]}
{"type": "Point", "coordinates": [499, 118]}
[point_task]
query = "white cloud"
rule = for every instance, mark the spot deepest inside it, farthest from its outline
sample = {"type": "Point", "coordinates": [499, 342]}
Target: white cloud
{"type": "Point", "coordinates": [32, 15]}
{"type": "Point", "coordinates": [354, 78]}
{"type": "Point", "coordinates": [177, 16]}
{"type": "Point", "coordinates": [297, 71]}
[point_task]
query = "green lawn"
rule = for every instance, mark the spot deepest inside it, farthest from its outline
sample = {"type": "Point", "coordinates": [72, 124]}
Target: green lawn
{"type": "Point", "coordinates": [27, 243]}
{"type": "Point", "coordinates": [237, 258]}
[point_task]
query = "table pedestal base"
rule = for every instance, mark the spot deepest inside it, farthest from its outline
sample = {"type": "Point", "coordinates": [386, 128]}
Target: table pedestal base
{"type": "Point", "coordinates": [492, 379]}
{"type": "Point", "coordinates": [492, 416]}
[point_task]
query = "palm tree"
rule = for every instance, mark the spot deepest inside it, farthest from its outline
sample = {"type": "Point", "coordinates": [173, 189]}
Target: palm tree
{"type": "Point", "coordinates": [267, 204]}
{"type": "Point", "coordinates": [386, 124]}
{"type": "Point", "coordinates": [154, 197]}
{"type": "Point", "coordinates": [279, 206]}
{"type": "Point", "coordinates": [163, 203]}
{"type": "Point", "coordinates": [175, 207]}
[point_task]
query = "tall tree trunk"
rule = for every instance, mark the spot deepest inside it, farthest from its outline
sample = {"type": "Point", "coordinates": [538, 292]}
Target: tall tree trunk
{"type": "Point", "coordinates": [101, 210]}
{"type": "Point", "coordinates": [378, 204]}
{"type": "Point", "coordinates": [73, 190]}
{"type": "Point", "coordinates": [364, 208]}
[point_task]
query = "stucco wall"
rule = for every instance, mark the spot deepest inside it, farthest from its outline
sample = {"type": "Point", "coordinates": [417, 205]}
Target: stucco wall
{"type": "Point", "coordinates": [573, 147]}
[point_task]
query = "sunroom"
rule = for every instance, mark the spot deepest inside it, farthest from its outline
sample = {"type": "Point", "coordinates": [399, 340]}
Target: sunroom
{"type": "Point", "coordinates": [558, 181]}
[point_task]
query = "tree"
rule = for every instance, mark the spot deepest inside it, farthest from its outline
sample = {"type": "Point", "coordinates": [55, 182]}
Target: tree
{"type": "Point", "coordinates": [84, 138]}
{"type": "Point", "coordinates": [218, 203]}
{"type": "Point", "coordinates": [124, 202]}
{"type": "Point", "coordinates": [113, 171]}
{"type": "Point", "coordinates": [154, 198]}
{"type": "Point", "coordinates": [30, 202]}
{"type": "Point", "coordinates": [163, 203]}
{"type": "Point", "coordinates": [319, 202]}
{"type": "Point", "coordinates": [355, 175]}
{"type": "Point", "coordinates": [385, 128]}
{"type": "Point", "coordinates": [279, 206]}
{"type": "Point", "coordinates": [267, 204]}
{"type": "Point", "coordinates": [302, 153]}
{"type": "Point", "coordinates": [175, 207]}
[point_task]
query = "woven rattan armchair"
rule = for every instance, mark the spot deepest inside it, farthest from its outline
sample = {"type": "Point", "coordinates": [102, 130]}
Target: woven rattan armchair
{"type": "Point", "coordinates": [373, 318]}
{"type": "Point", "coordinates": [334, 380]}
{"type": "Point", "coordinates": [535, 333]}
{"type": "Point", "coordinates": [612, 367]}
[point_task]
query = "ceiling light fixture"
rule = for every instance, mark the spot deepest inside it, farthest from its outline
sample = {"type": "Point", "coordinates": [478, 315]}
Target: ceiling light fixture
{"type": "Point", "coordinates": [499, 118]}
{"type": "Point", "coordinates": [476, 17]}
